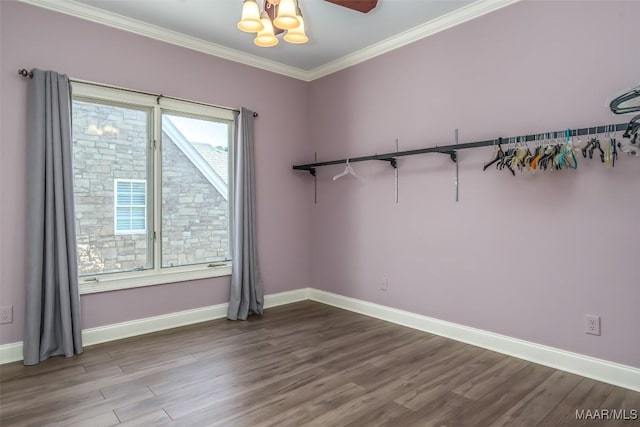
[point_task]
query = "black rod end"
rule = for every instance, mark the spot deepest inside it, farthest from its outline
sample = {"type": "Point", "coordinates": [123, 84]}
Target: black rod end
{"type": "Point", "coordinates": [25, 73]}
{"type": "Point", "coordinates": [453, 154]}
{"type": "Point", "coordinates": [392, 161]}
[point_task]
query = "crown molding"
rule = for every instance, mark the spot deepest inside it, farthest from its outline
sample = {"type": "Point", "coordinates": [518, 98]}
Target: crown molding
{"type": "Point", "coordinates": [135, 26]}
{"type": "Point", "coordinates": [90, 13]}
{"type": "Point", "coordinates": [441, 23]}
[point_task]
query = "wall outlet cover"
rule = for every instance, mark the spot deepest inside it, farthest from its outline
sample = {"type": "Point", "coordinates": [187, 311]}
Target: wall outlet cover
{"type": "Point", "coordinates": [592, 324]}
{"type": "Point", "coordinates": [6, 314]}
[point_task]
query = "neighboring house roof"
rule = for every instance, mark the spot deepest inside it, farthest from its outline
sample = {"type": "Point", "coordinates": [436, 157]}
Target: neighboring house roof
{"type": "Point", "coordinates": [218, 159]}
{"type": "Point", "coordinates": [207, 161]}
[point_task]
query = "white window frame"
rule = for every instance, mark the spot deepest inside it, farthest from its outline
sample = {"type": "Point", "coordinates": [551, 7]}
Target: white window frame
{"type": "Point", "coordinates": [130, 231]}
{"type": "Point", "coordinates": [157, 275]}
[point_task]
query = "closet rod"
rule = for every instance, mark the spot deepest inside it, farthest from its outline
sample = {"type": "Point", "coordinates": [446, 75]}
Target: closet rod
{"type": "Point", "coordinates": [26, 73]}
{"type": "Point", "coordinates": [450, 149]}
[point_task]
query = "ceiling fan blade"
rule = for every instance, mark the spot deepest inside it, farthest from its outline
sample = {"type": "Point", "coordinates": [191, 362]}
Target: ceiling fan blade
{"type": "Point", "coordinates": [363, 6]}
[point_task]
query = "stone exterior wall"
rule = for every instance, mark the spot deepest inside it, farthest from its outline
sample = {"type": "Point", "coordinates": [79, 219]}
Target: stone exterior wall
{"type": "Point", "coordinates": [195, 214]}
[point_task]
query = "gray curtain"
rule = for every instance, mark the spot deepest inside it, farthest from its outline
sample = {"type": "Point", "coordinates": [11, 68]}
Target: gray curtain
{"type": "Point", "coordinates": [53, 301]}
{"type": "Point", "coordinates": [245, 295]}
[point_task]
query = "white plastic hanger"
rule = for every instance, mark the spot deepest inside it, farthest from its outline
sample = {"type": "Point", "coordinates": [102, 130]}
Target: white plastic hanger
{"type": "Point", "coordinates": [347, 171]}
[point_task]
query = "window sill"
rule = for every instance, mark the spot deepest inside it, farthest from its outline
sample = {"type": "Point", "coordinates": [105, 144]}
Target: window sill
{"type": "Point", "coordinates": [143, 279]}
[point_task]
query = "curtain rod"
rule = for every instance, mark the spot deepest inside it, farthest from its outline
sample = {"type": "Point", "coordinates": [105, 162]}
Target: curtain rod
{"type": "Point", "coordinates": [452, 149]}
{"type": "Point", "coordinates": [25, 73]}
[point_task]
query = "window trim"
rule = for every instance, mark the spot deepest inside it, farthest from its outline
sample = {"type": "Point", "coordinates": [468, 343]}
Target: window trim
{"type": "Point", "coordinates": [130, 280]}
{"type": "Point", "coordinates": [158, 275]}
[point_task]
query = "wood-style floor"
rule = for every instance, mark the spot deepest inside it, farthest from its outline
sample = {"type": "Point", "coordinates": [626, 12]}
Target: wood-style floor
{"type": "Point", "coordinates": [301, 364]}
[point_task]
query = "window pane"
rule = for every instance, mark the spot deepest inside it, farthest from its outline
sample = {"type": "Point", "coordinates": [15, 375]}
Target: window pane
{"type": "Point", "coordinates": [109, 149]}
{"type": "Point", "coordinates": [123, 222]}
{"type": "Point", "coordinates": [195, 190]}
{"type": "Point", "coordinates": [138, 193]}
{"type": "Point", "coordinates": [123, 198]}
{"type": "Point", "coordinates": [138, 218]}
{"type": "Point", "coordinates": [123, 186]}
{"type": "Point", "coordinates": [137, 199]}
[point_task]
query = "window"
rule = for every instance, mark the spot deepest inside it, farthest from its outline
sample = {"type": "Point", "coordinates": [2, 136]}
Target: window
{"type": "Point", "coordinates": [151, 185]}
{"type": "Point", "coordinates": [130, 206]}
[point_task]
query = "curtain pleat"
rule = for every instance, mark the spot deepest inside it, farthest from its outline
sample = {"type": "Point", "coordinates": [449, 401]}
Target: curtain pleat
{"type": "Point", "coordinates": [245, 295]}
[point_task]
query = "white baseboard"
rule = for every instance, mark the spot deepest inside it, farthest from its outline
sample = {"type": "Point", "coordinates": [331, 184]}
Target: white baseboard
{"type": "Point", "coordinates": [286, 297]}
{"type": "Point", "coordinates": [12, 352]}
{"type": "Point", "coordinates": [590, 367]}
{"type": "Point", "coordinates": [147, 325]}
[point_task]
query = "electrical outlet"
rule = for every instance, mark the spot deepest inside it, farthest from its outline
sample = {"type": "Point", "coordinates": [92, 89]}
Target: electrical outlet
{"type": "Point", "coordinates": [592, 324]}
{"type": "Point", "coordinates": [384, 284]}
{"type": "Point", "coordinates": [6, 314]}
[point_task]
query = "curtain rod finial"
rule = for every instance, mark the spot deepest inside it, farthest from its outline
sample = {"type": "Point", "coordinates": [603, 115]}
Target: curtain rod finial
{"type": "Point", "coordinates": [24, 73]}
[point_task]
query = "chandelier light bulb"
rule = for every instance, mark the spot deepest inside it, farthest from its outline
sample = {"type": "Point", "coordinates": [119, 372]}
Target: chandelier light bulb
{"type": "Point", "coordinates": [297, 35]}
{"type": "Point", "coordinates": [250, 21]}
{"type": "Point", "coordinates": [286, 18]}
{"type": "Point", "coordinates": [266, 37]}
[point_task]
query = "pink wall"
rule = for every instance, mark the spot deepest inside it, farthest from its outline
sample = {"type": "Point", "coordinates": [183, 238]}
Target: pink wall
{"type": "Point", "coordinates": [524, 256]}
{"type": "Point", "coordinates": [34, 37]}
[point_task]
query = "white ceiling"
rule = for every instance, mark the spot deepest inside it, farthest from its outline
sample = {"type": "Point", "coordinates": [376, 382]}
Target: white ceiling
{"type": "Point", "coordinates": [339, 37]}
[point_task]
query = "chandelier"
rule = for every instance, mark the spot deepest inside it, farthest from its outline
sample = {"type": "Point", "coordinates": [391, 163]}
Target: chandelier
{"type": "Point", "coordinates": [277, 17]}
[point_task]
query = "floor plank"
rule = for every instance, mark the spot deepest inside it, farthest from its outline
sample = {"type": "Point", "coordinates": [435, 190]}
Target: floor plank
{"type": "Point", "coordinates": [541, 400]}
{"type": "Point", "coordinates": [300, 364]}
{"type": "Point", "coordinates": [588, 394]}
{"type": "Point", "coordinates": [491, 378]}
